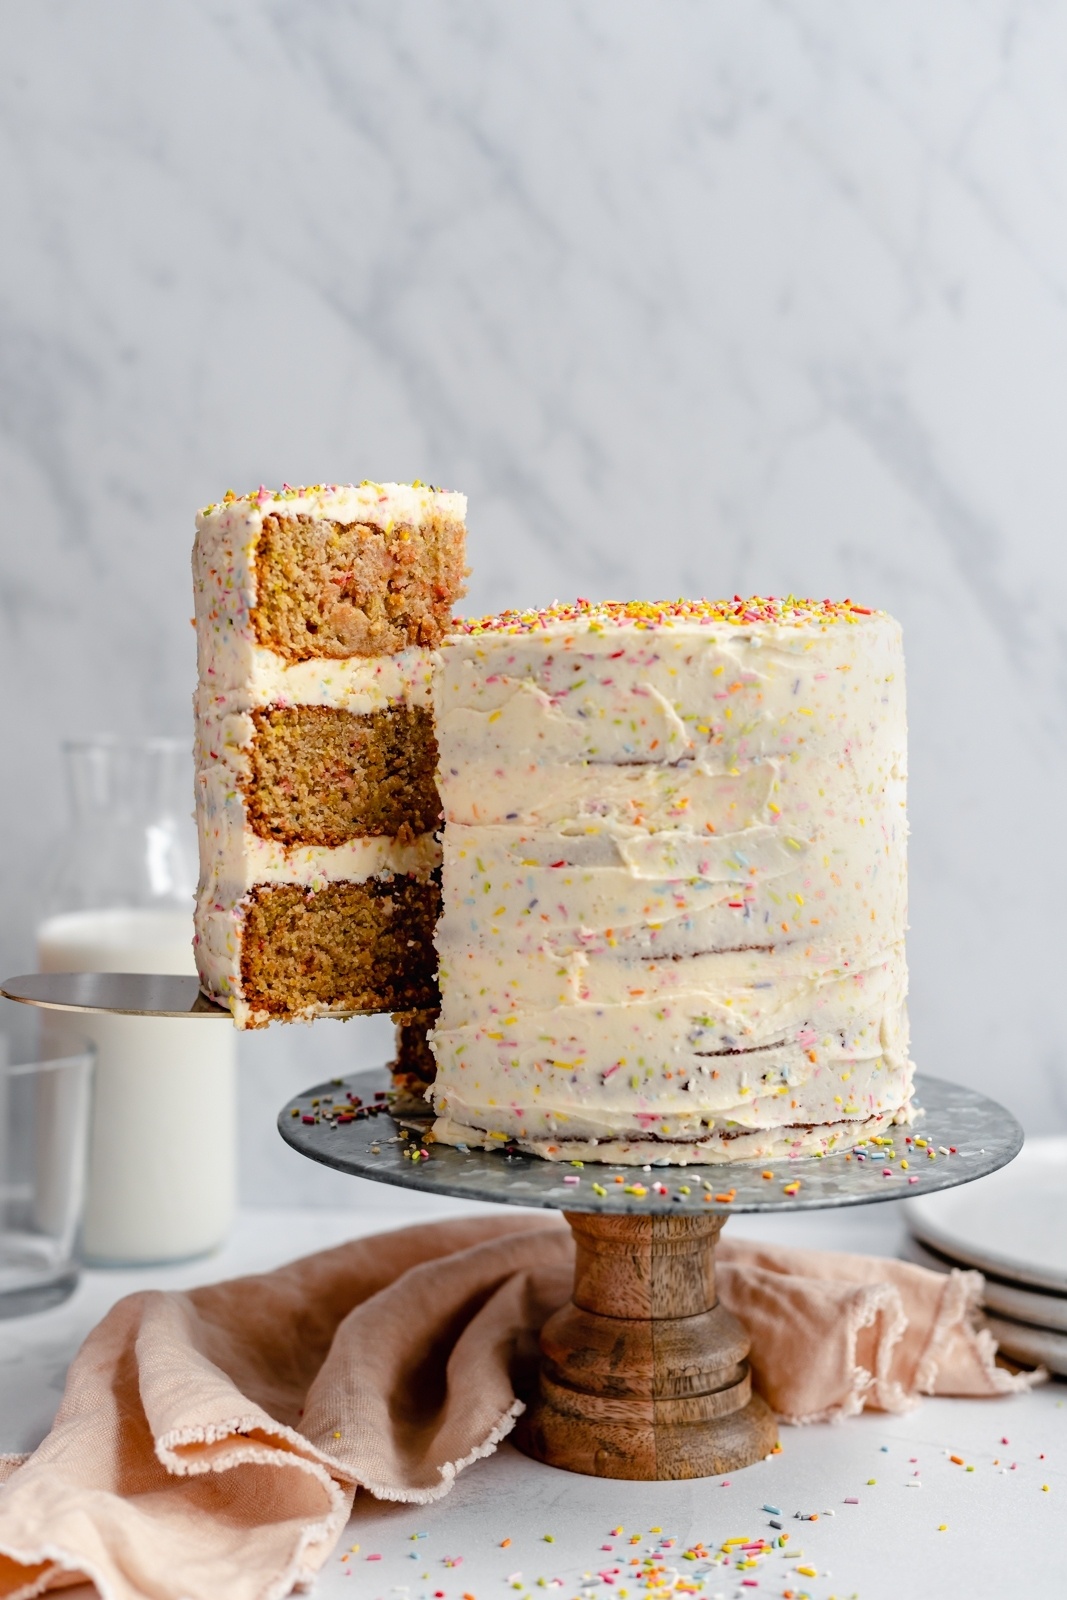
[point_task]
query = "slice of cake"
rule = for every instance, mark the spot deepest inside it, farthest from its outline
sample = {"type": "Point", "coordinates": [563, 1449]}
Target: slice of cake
{"type": "Point", "coordinates": [318, 615]}
{"type": "Point", "coordinates": [674, 880]}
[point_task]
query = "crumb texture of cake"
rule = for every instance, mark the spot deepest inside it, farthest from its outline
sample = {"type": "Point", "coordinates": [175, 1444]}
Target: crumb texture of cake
{"type": "Point", "coordinates": [413, 1066]}
{"type": "Point", "coordinates": [319, 775]}
{"type": "Point", "coordinates": [367, 587]}
{"type": "Point", "coordinates": [674, 881]}
{"type": "Point", "coordinates": [344, 947]}
{"type": "Point", "coordinates": [318, 615]}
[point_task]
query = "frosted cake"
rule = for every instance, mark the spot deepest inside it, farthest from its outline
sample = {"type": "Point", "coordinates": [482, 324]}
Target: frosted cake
{"type": "Point", "coordinates": [318, 615]}
{"type": "Point", "coordinates": [674, 881]}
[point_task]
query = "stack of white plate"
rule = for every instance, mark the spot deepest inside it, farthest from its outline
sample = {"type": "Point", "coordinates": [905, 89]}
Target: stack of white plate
{"type": "Point", "coordinates": [1012, 1226]}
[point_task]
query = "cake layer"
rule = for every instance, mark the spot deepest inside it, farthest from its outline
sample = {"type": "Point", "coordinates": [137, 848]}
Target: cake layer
{"type": "Point", "coordinates": [237, 865]}
{"type": "Point", "coordinates": [321, 776]}
{"type": "Point", "coordinates": [332, 588]}
{"type": "Point", "coordinates": [674, 879]}
{"type": "Point", "coordinates": [332, 571]}
{"type": "Point", "coordinates": [348, 947]}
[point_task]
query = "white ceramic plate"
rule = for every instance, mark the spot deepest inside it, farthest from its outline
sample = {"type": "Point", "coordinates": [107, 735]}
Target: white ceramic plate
{"type": "Point", "coordinates": [1012, 1223]}
{"type": "Point", "coordinates": [1039, 1347]}
{"type": "Point", "coordinates": [1048, 1311]}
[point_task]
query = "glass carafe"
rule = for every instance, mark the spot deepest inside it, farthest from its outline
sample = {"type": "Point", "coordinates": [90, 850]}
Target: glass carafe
{"type": "Point", "coordinates": [119, 898]}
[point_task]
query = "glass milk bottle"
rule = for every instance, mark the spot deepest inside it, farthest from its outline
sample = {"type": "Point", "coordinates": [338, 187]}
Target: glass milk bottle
{"type": "Point", "coordinates": [162, 1157]}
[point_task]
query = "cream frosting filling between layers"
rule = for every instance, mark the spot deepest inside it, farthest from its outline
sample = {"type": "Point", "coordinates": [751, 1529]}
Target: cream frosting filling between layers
{"type": "Point", "coordinates": [237, 675]}
{"type": "Point", "coordinates": [713, 817]}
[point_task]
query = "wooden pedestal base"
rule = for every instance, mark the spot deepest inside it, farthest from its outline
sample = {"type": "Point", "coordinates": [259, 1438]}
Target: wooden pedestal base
{"type": "Point", "coordinates": [643, 1374]}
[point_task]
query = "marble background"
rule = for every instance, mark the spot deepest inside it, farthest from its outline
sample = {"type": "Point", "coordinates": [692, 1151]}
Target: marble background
{"type": "Point", "coordinates": [702, 296]}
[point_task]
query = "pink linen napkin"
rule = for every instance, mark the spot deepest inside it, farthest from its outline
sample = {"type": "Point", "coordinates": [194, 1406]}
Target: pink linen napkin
{"type": "Point", "coordinates": [210, 1443]}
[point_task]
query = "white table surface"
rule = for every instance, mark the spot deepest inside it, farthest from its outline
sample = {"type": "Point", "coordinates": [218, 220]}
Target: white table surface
{"type": "Point", "coordinates": [1003, 1532]}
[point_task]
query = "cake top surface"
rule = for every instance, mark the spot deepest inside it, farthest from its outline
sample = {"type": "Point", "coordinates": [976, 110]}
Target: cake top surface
{"type": "Point", "coordinates": [602, 616]}
{"type": "Point", "coordinates": [336, 500]}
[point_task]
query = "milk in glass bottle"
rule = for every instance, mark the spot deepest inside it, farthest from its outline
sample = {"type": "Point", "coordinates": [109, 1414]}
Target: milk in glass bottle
{"type": "Point", "coordinates": [162, 1161]}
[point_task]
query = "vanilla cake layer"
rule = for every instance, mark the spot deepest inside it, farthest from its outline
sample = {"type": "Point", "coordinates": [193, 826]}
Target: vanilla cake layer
{"type": "Point", "coordinates": [321, 776]}
{"type": "Point", "coordinates": [318, 612]}
{"type": "Point", "coordinates": [674, 881]}
{"type": "Point", "coordinates": [349, 947]}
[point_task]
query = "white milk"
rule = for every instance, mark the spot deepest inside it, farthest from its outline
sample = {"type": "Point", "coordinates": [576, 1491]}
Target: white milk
{"type": "Point", "coordinates": [162, 1162]}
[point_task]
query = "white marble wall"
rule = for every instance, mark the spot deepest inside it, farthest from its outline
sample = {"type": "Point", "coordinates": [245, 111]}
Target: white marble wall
{"type": "Point", "coordinates": [688, 297]}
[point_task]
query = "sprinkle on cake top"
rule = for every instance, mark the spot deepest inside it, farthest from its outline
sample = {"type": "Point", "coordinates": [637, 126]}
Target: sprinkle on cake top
{"type": "Point", "coordinates": [599, 616]}
{"type": "Point", "coordinates": [317, 491]}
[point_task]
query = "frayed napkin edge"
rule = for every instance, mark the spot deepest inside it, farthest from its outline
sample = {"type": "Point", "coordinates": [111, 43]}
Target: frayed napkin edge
{"type": "Point", "coordinates": [451, 1469]}
{"type": "Point", "coordinates": [51, 1557]}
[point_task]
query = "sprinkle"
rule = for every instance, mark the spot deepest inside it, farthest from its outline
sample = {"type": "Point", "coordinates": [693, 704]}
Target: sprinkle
{"type": "Point", "coordinates": [549, 1538]}
{"type": "Point", "coordinates": [957, 1459]}
{"type": "Point", "coordinates": [774, 1511]}
{"type": "Point", "coordinates": [791, 1188]}
{"type": "Point", "coordinates": [503, 1543]}
{"type": "Point", "coordinates": [851, 1500]}
{"type": "Point", "coordinates": [598, 616]}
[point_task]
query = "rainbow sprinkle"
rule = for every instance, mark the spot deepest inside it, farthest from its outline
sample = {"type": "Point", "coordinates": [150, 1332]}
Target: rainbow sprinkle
{"type": "Point", "coordinates": [288, 491]}
{"type": "Point", "coordinates": [599, 615]}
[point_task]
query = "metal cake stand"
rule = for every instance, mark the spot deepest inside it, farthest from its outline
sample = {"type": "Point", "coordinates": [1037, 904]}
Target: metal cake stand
{"type": "Point", "coordinates": [644, 1373]}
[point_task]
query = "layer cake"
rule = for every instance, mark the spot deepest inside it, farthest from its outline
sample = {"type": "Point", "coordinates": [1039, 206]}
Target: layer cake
{"type": "Point", "coordinates": [319, 612]}
{"type": "Point", "coordinates": [674, 881]}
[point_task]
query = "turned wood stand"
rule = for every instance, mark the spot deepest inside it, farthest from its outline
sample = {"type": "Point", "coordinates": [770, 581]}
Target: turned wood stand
{"type": "Point", "coordinates": [643, 1373]}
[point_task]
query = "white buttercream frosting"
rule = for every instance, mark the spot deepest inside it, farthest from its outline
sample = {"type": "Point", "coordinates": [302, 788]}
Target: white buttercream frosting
{"type": "Point", "coordinates": [674, 881]}
{"type": "Point", "coordinates": [237, 675]}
